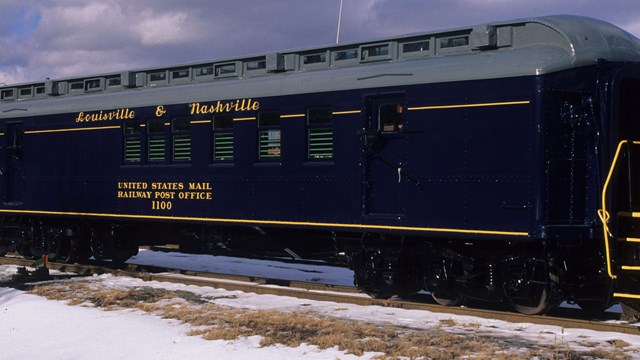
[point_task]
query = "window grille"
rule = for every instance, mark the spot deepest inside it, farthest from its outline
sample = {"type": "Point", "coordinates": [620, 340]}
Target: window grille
{"type": "Point", "coordinates": [181, 140]}
{"type": "Point", "coordinates": [319, 134]}
{"type": "Point", "coordinates": [156, 141]}
{"type": "Point", "coordinates": [223, 138]}
{"type": "Point", "coordinates": [132, 143]}
{"type": "Point", "coordinates": [269, 136]}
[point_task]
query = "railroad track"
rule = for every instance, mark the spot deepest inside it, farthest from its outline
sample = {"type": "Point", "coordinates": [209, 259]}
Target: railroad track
{"type": "Point", "coordinates": [567, 318]}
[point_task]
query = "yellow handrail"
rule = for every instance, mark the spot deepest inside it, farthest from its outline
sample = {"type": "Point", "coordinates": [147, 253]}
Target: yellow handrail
{"type": "Point", "coordinates": [603, 214]}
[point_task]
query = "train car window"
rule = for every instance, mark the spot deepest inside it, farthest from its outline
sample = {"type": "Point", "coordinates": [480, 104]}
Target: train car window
{"type": "Point", "coordinates": [223, 138]}
{"type": "Point", "coordinates": [8, 94]}
{"type": "Point", "coordinates": [156, 141]}
{"type": "Point", "coordinates": [390, 118]}
{"type": "Point", "coordinates": [93, 85]}
{"type": "Point", "coordinates": [454, 42]}
{"type": "Point", "coordinates": [76, 87]}
{"type": "Point", "coordinates": [375, 52]}
{"type": "Point", "coordinates": [256, 65]}
{"type": "Point", "coordinates": [158, 77]}
{"type": "Point", "coordinates": [314, 61]}
{"type": "Point", "coordinates": [269, 136]}
{"type": "Point", "coordinates": [226, 70]}
{"type": "Point", "coordinates": [345, 55]}
{"type": "Point", "coordinates": [319, 133]}
{"type": "Point", "coordinates": [180, 74]}
{"type": "Point", "coordinates": [416, 47]}
{"type": "Point", "coordinates": [181, 139]}
{"type": "Point", "coordinates": [314, 58]}
{"type": "Point", "coordinates": [25, 93]}
{"type": "Point", "coordinates": [114, 81]}
{"type": "Point", "coordinates": [132, 143]}
{"type": "Point", "coordinates": [204, 71]}
{"type": "Point", "coordinates": [40, 90]}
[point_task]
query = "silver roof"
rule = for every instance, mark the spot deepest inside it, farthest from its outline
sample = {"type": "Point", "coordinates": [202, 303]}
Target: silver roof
{"type": "Point", "coordinates": [497, 50]}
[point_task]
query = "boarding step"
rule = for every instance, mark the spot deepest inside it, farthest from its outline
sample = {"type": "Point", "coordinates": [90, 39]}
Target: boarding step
{"type": "Point", "coordinates": [628, 255]}
{"type": "Point", "coordinates": [628, 270]}
{"type": "Point", "coordinates": [628, 285]}
{"type": "Point", "coordinates": [629, 224]}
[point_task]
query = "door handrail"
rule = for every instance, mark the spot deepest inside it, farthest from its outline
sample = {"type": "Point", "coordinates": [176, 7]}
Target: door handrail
{"type": "Point", "coordinates": [603, 214]}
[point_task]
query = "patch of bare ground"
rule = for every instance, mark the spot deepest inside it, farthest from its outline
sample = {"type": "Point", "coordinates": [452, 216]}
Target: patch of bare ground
{"type": "Point", "coordinates": [215, 322]}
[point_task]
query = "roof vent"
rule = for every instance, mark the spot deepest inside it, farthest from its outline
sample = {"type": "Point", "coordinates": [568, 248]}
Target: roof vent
{"type": "Point", "coordinates": [275, 62]}
{"type": "Point", "coordinates": [483, 38]}
{"type": "Point", "coordinates": [51, 87]}
{"type": "Point", "coordinates": [141, 79]}
{"type": "Point", "coordinates": [128, 79]}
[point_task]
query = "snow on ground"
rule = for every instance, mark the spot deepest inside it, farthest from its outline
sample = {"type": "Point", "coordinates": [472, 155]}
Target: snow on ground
{"type": "Point", "coordinates": [31, 326]}
{"type": "Point", "coordinates": [231, 265]}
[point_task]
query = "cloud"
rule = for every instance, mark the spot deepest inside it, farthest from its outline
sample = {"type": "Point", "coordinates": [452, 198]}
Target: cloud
{"type": "Point", "coordinates": [166, 29]}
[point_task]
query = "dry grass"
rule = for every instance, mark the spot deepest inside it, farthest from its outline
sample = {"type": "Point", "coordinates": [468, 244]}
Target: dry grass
{"type": "Point", "coordinates": [215, 322]}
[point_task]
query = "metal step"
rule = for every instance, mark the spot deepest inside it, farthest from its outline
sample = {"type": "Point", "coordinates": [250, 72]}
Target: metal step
{"type": "Point", "coordinates": [628, 255]}
{"type": "Point", "coordinates": [629, 268]}
{"type": "Point", "coordinates": [626, 296]}
{"type": "Point", "coordinates": [629, 224]}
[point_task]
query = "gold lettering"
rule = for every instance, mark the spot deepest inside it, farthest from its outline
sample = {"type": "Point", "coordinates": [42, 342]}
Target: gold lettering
{"type": "Point", "coordinates": [194, 195]}
{"type": "Point", "coordinates": [161, 194]}
{"type": "Point", "coordinates": [167, 186]}
{"type": "Point", "coordinates": [160, 111]}
{"type": "Point", "coordinates": [118, 114]}
{"type": "Point", "coordinates": [131, 194]}
{"type": "Point", "coordinates": [129, 185]}
{"type": "Point", "coordinates": [200, 186]}
{"type": "Point", "coordinates": [222, 107]}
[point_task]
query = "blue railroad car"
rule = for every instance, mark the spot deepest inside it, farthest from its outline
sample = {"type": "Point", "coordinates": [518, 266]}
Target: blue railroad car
{"type": "Point", "coordinates": [495, 162]}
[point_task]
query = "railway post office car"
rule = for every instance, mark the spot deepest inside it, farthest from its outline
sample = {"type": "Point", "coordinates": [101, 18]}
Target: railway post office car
{"type": "Point", "coordinates": [496, 162]}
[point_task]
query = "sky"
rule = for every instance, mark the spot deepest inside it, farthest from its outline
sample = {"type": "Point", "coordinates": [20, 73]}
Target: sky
{"type": "Point", "coordinates": [42, 39]}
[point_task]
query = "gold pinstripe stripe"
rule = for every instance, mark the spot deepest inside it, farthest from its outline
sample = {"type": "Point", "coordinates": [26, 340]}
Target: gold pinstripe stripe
{"type": "Point", "coordinates": [71, 129]}
{"type": "Point", "coordinates": [270, 222]}
{"type": "Point", "coordinates": [462, 106]}
{"type": "Point", "coordinates": [348, 112]}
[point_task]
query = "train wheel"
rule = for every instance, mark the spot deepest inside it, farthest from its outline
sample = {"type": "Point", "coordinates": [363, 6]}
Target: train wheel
{"type": "Point", "coordinates": [98, 245]}
{"type": "Point", "coordinates": [538, 303]}
{"type": "Point", "coordinates": [528, 289]}
{"type": "Point", "coordinates": [445, 298]}
{"type": "Point", "coordinates": [369, 282]}
{"type": "Point", "coordinates": [438, 277]}
{"type": "Point", "coordinates": [368, 271]}
{"type": "Point", "coordinates": [65, 250]}
{"type": "Point", "coordinates": [30, 234]}
{"type": "Point", "coordinates": [377, 293]}
{"type": "Point", "coordinates": [112, 242]}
